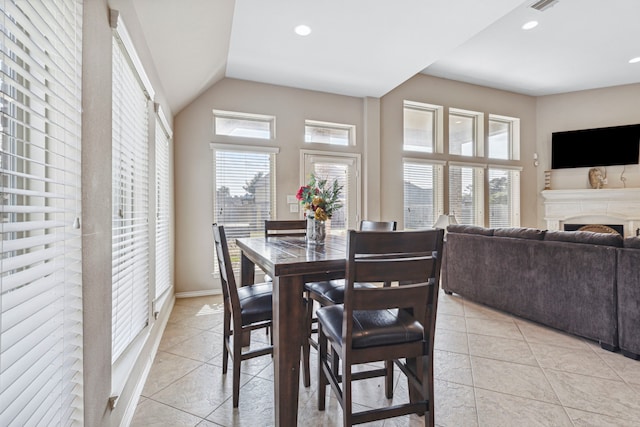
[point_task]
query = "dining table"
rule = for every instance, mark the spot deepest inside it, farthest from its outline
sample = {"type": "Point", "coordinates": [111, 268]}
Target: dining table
{"type": "Point", "coordinates": [291, 262]}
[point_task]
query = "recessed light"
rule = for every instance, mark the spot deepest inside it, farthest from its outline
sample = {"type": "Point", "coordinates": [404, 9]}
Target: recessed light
{"type": "Point", "coordinates": [303, 30]}
{"type": "Point", "coordinates": [530, 25]}
{"type": "Point", "coordinates": [634, 60]}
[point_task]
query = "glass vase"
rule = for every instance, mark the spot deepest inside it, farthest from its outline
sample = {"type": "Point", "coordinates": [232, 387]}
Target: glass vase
{"type": "Point", "coordinates": [316, 231]}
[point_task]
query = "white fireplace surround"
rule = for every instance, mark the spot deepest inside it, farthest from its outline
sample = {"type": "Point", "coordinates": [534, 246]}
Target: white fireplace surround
{"type": "Point", "coordinates": [619, 206]}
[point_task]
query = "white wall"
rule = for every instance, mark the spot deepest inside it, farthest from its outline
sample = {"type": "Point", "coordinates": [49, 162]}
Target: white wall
{"type": "Point", "coordinates": [587, 109]}
{"type": "Point", "coordinates": [96, 217]}
{"type": "Point", "coordinates": [452, 94]}
{"type": "Point", "coordinates": [193, 160]}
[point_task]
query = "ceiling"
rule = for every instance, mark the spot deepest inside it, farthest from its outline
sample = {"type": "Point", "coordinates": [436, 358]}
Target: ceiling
{"type": "Point", "coordinates": [369, 47]}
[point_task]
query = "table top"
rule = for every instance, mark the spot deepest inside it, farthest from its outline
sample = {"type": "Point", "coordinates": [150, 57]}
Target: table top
{"type": "Point", "coordinates": [284, 256]}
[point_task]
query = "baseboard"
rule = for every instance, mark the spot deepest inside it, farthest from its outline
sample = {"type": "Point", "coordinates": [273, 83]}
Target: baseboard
{"type": "Point", "coordinates": [192, 294]}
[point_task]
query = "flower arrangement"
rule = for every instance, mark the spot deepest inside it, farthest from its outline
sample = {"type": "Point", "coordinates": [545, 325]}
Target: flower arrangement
{"type": "Point", "coordinates": [320, 199]}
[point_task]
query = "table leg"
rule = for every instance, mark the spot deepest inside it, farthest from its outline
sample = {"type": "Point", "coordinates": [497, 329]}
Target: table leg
{"type": "Point", "coordinates": [247, 271]}
{"type": "Point", "coordinates": [288, 316]}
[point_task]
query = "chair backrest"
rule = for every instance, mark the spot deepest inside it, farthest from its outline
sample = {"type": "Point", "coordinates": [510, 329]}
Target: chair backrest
{"type": "Point", "coordinates": [409, 259]}
{"type": "Point", "coordinates": [229, 287]}
{"type": "Point", "coordinates": [285, 227]}
{"type": "Point", "coordinates": [366, 225]}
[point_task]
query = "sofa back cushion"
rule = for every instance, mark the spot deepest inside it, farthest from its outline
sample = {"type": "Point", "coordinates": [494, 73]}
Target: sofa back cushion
{"type": "Point", "coordinates": [632, 242]}
{"type": "Point", "coordinates": [520, 233]}
{"type": "Point", "coordinates": [587, 237]}
{"type": "Point", "coordinates": [469, 229]}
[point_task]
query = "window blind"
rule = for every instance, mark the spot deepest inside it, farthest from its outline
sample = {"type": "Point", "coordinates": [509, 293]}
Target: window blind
{"type": "Point", "coordinates": [423, 194]}
{"type": "Point", "coordinates": [164, 261]}
{"type": "Point", "coordinates": [40, 280]}
{"type": "Point", "coordinates": [340, 171]}
{"type": "Point", "coordinates": [466, 194]}
{"type": "Point", "coordinates": [130, 210]}
{"type": "Point", "coordinates": [244, 193]}
{"type": "Point", "coordinates": [504, 197]}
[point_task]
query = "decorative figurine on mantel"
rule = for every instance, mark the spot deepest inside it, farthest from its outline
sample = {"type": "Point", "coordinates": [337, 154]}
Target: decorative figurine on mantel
{"type": "Point", "coordinates": [597, 178]}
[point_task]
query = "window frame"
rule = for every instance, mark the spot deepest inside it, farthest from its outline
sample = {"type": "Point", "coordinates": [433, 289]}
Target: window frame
{"type": "Point", "coordinates": [438, 176]}
{"type": "Point", "coordinates": [251, 117]}
{"type": "Point", "coordinates": [477, 131]}
{"type": "Point", "coordinates": [437, 133]}
{"type": "Point", "coordinates": [350, 129]}
{"type": "Point", "coordinates": [514, 136]}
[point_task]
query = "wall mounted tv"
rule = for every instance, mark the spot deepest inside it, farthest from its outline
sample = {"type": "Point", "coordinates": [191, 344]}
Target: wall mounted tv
{"type": "Point", "coordinates": [619, 145]}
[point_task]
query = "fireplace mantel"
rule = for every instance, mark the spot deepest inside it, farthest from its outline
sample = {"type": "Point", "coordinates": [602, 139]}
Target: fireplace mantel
{"type": "Point", "coordinates": [591, 206]}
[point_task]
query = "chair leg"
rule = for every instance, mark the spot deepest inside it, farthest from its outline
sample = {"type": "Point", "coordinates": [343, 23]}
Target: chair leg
{"type": "Point", "coordinates": [225, 342]}
{"type": "Point", "coordinates": [306, 346]}
{"type": "Point", "coordinates": [427, 387]}
{"type": "Point", "coordinates": [237, 359]}
{"type": "Point", "coordinates": [322, 378]}
{"type": "Point", "coordinates": [388, 378]}
{"type": "Point", "coordinates": [347, 410]}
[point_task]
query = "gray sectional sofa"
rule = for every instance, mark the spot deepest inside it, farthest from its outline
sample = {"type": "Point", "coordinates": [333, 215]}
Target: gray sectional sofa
{"type": "Point", "coordinates": [565, 280]}
{"type": "Point", "coordinates": [629, 297]}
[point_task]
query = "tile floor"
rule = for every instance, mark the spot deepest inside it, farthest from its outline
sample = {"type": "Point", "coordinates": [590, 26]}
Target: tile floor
{"type": "Point", "coordinates": [491, 369]}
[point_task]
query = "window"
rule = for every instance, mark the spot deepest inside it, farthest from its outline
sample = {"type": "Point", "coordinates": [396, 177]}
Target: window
{"type": "Point", "coordinates": [164, 209]}
{"type": "Point", "coordinates": [422, 127]}
{"type": "Point", "coordinates": [504, 197]}
{"type": "Point", "coordinates": [244, 188]}
{"type": "Point", "coordinates": [504, 137]}
{"type": "Point", "coordinates": [40, 201]}
{"type": "Point", "coordinates": [465, 133]}
{"type": "Point", "coordinates": [130, 192]}
{"type": "Point", "coordinates": [345, 168]}
{"type": "Point", "coordinates": [329, 133]}
{"type": "Point", "coordinates": [466, 193]}
{"type": "Point", "coordinates": [423, 193]}
{"type": "Point", "coordinates": [228, 123]}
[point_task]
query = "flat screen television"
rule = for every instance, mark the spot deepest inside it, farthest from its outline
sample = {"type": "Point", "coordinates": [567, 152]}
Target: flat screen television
{"type": "Point", "coordinates": [619, 145]}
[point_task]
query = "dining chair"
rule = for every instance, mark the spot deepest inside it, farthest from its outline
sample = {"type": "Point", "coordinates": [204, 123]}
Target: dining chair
{"type": "Point", "coordinates": [246, 308]}
{"type": "Point", "coordinates": [383, 323]}
{"type": "Point", "coordinates": [331, 292]}
{"type": "Point", "coordinates": [296, 227]}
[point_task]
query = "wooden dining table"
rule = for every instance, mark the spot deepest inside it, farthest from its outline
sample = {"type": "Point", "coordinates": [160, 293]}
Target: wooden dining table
{"type": "Point", "coordinates": [291, 262]}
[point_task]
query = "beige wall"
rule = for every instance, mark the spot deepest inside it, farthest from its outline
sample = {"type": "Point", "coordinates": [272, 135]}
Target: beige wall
{"type": "Point", "coordinates": [587, 109]}
{"type": "Point", "coordinates": [452, 94]}
{"type": "Point", "coordinates": [193, 160]}
{"type": "Point", "coordinates": [96, 218]}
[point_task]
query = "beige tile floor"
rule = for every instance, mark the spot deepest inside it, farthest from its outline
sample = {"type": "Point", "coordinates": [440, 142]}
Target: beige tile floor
{"type": "Point", "coordinates": [491, 369]}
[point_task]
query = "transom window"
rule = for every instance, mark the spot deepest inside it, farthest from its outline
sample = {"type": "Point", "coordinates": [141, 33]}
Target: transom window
{"type": "Point", "coordinates": [329, 133]}
{"type": "Point", "coordinates": [465, 132]}
{"type": "Point", "coordinates": [422, 127]}
{"type": "Point", "coordinates": [246, 125]}
{"type": "Point", "coordinates": [504, 137]}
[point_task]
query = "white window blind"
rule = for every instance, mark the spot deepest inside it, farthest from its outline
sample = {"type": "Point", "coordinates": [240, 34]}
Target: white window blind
{"type": "Point", "coordinates": [244, 192]}
{"type": "Point", "coordinates": [164, 209]}
{"type": "Point", "coordinates": [504, 197]}
{"type": "Point", "coordinates": [130, 187]}
{"type": "Point", "coordinates": [466, 194]}
{"type": "Point", "coordinates": [40, 280]}
{"type": "Point", "coordinates": [423, 193]}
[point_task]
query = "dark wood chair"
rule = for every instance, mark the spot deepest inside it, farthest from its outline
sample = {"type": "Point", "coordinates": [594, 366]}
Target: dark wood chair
{"type": "Point", "coordinates": [297, 227]}
{"type": "Point", "coordinates": [384, 323]}
{"type": "Point", "coordinates": [246, 308]}
{"type": "Point", "coordinates": [331, 292]}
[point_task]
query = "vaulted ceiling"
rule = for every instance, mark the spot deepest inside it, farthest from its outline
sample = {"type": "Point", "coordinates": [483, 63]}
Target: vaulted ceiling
{"type": "Point", "coordinates": [368, 47]}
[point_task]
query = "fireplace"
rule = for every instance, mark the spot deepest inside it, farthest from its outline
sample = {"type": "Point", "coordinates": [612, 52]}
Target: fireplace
{"type": "Point", "coordinates": [618, 228]}
{"type": "Point", "coordinates": [607, 206]}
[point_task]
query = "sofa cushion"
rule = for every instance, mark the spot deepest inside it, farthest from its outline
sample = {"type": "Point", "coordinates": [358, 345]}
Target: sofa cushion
{"type": "Point", "coordinates": [520, 233]}
{"type": "Point", "coordinates": [632, 242]}
{"type": "Point", "coordinates": [469, 229]}
{"type": "Point", "coordinates": [587, 237]}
